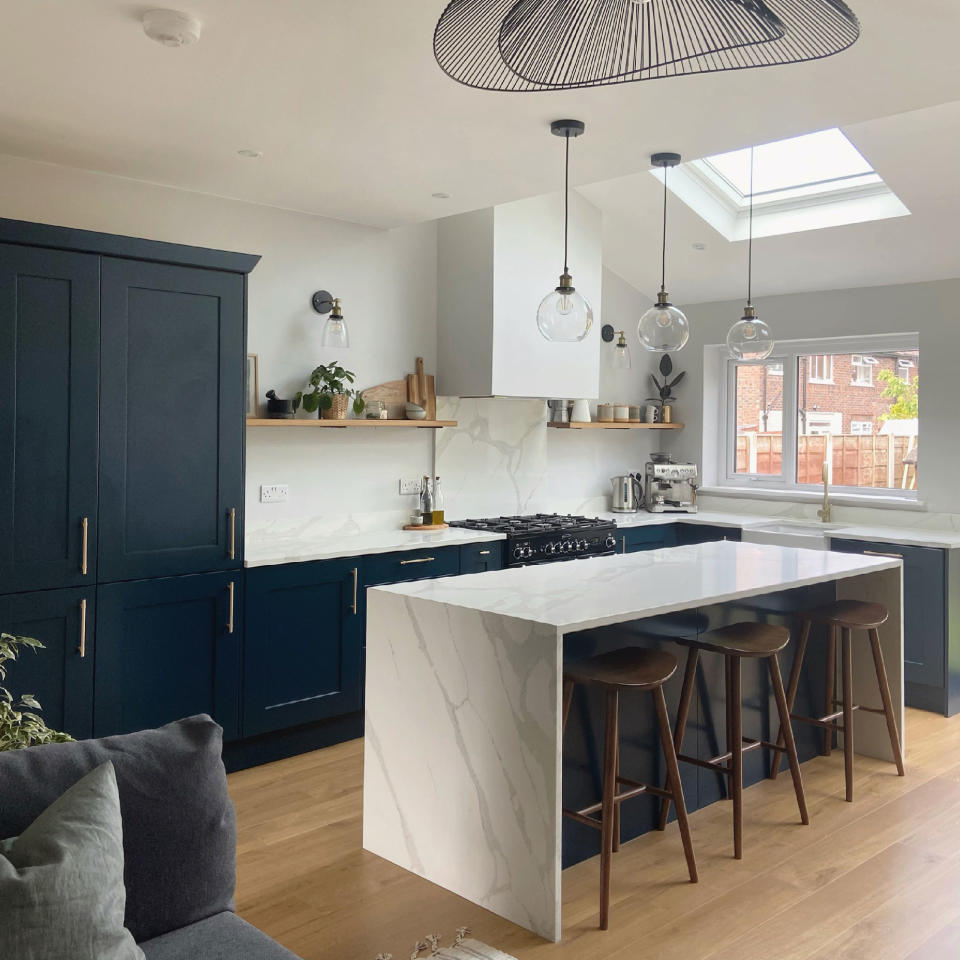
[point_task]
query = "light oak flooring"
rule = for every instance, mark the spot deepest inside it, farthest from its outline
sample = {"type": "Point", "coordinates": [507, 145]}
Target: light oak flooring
{"type": "Point", "coordinates": [878, 879]}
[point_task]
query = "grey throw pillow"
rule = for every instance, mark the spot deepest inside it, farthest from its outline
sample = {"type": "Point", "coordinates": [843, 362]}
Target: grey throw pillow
{"type": "Point", "coordinates": [61, 881]}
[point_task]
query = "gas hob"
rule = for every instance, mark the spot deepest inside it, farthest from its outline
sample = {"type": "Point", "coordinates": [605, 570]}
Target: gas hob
{"type": "Point", "coordinates": [547, 537]}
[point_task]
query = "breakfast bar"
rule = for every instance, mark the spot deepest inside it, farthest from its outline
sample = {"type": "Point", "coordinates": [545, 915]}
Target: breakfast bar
{"type": "Point", "coordinates": [464, 764]}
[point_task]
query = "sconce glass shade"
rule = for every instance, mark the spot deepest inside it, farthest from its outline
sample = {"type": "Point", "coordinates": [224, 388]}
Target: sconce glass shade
{"type": "Point", "coordinates": [621, 353]}
{"type": "Point", "coordinates": [663, 328]}
{"type": "Point", "coordinates": [750, 339]}
{"type": "Point", "coordinates": [335, 333]}
{"type": "Point", "coordinates": [564, 316]}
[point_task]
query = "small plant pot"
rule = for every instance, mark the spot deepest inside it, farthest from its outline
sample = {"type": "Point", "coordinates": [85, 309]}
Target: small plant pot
{"type": "Point", "coordinates": [338, 409]}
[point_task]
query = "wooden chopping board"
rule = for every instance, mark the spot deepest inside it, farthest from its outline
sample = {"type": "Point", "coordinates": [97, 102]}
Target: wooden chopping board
{"type": "Point", "coordinates": [422, 391]}
{"type": "Point", "coordinates": [393, 395]}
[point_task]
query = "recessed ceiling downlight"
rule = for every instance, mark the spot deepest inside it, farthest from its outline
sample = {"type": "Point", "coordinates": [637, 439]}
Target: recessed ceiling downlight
{"type": "Point", "coordinates": [248, 154]}
{"type": "Point", "coordinates": [171, 27]}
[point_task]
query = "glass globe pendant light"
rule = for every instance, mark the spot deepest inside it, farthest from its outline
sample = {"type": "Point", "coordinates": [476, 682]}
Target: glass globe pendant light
{"type": "Point", "coordinates": [750, 339]}
{"type": "Point", "coordinates": [564, 315]}
{"type": "Point", "coordinates": [664, 328]}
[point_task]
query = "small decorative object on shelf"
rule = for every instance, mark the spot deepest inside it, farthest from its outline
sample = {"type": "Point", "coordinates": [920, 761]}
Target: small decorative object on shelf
{"type": "Point", "coordinates": [665, 389]}
{"type": "Point", "coordinates": [20, 723]}
{"type": "Point", "coordinates": [278, 408]}
{"type": "Point", "coordinates": [329, 393]}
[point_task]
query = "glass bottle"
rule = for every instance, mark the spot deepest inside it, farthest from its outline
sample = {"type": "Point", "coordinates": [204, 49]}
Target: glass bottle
{"type": "Point", "coordinates": [426, 500]}
{"type": "Point", "coordinates": [437, 502]}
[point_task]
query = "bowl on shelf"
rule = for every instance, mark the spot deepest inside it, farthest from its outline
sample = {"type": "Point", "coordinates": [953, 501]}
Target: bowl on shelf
{"type": "Point", "coordinates": [416, 412]}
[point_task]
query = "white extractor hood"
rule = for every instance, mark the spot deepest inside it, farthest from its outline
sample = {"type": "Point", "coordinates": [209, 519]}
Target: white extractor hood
{"type": "Point", "coordinates": [494, 268]}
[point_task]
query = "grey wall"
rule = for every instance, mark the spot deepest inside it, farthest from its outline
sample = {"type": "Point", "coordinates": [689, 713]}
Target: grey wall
{"type": "Point", "coordinates": [930, 309]}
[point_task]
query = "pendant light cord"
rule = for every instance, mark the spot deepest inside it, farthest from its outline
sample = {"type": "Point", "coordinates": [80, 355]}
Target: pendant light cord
{"type": "Point", "coordinates": [663, 266]}
{"type": "Point", "coordinates": [566, 203]}
{"type": "Point", "coordinates": [750, 242]}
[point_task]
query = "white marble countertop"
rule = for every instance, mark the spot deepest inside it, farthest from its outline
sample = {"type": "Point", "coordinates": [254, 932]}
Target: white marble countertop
{"type": "Point", "coordinates": [603, 590]}
{"type": "Point", "coordinates": [262, 551]}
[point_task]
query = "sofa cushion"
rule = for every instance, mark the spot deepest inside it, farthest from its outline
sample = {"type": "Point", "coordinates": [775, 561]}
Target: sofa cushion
{"type": "Point", "coordinates": [61, 880]}
{"type": "Point", "coordinates": [179, 826]}
{"type": "Point", "coordinates": [223, 937]}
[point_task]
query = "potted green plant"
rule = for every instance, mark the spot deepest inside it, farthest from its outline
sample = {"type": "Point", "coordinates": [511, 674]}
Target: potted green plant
{"type": "Point", "coordinates": [20, 726]}
{"type": "Point", "coordinates": [330, 392]}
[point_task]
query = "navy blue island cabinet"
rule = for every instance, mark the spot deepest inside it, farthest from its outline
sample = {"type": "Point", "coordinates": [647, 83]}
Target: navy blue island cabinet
{"type": "Point", "coordinates": [49, 375]}
{"type": "Point", "coordinates": [303, 656]}
{"type": "Point", "coordinates": [122, 365]}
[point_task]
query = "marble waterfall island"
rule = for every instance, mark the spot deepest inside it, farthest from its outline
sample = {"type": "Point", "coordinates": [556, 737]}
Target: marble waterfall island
{"type": "Point", "coordinates": [463, 765]}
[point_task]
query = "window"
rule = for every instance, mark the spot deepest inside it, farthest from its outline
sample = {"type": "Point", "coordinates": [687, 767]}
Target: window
{"type": "Point", "coordinates": [820, 368]}
{"type": "Point", "coordinates": [788, 416]}
{"type": "Point", "coordinates": [804, 183]}
{"type": "Point", "coordinates": [862, 370]}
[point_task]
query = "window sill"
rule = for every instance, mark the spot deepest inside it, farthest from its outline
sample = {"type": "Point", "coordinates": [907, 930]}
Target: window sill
{"type": "Point", "coordinates": [813, 496]}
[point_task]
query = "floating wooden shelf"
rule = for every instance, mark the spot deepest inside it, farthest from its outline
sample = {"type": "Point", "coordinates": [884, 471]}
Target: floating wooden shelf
{"type": "Point", "coordinates": [614, 425]}
{"type": "Point", "coordinates": [342, 424]}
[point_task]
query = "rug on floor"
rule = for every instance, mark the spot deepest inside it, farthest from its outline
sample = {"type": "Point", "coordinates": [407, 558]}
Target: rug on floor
{"type": "Point", "coordinates": [462, 948]}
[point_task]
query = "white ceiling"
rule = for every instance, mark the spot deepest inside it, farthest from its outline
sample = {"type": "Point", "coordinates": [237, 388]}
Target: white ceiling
{"type": "Point", "coordinates": [356, 121]}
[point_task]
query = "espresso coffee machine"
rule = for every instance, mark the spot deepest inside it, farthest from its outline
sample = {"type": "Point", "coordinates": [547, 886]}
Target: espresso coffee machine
{"type": "Point", "coordinates": [670, 488]}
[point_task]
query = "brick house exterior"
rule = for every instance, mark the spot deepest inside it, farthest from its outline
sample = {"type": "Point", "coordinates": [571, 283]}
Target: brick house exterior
{"type": "Point", "coordinates": [836, 395]}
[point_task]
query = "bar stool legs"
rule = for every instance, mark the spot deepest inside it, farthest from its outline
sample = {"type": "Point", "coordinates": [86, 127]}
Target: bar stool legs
{"type": "Point", "coordinates": [886, 699]}
{"type": "Point", "coordinates": [608, 804]}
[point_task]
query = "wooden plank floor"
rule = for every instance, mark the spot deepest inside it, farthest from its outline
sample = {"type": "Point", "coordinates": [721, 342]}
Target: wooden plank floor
{"type": "Point", "coordinates": [875, 880]}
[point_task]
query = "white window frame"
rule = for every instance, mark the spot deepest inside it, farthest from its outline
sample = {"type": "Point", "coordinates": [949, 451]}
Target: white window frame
{"type": "Point", "coordinates": [854, 424]}
{"type": "Point", "coordinates": [828, 360]}
{"type": "Point", "coordinates": [789, 353]}
{"type": "Point", "coordinates": [862, 375]}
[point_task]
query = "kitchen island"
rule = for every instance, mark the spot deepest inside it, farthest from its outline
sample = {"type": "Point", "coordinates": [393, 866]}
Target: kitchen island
{"type": "Point", "coordinates": [463, 754]}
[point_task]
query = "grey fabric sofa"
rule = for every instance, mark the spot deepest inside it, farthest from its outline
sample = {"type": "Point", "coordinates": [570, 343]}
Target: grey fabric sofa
{"type": "Point", "coordinates": [179, 833]}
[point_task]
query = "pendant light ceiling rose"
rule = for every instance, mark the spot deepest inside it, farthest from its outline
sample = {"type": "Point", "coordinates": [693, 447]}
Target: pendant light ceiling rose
{"type": "Point", "coordinates": [567, 128]}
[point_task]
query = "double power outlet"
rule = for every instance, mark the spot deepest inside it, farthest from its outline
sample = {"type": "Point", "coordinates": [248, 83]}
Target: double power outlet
{"type": "Point", "coordinates": [409, 485]}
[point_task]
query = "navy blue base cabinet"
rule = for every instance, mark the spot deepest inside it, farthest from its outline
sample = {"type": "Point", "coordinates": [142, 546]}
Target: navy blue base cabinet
{"type": "Point", "coordinates": [926, 611]}
{"type": "Point", "coordinates": [405, 565]}
{"type": "Point", "coordinates": [168, 648]}
{"type": "Point", "coordinates": [481, 557]}
{"type": "Point", "coordinates": [303, 652]}
{"type": "Point", "coordinates": [635, 539]}
{"type": "Point", "coordinates": [704, 533]}
{"type": "Point", "coordinates": [60, 676]}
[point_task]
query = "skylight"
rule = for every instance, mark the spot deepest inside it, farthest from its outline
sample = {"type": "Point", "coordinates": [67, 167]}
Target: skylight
{"type": "Point", "coordinates": [805, 183]}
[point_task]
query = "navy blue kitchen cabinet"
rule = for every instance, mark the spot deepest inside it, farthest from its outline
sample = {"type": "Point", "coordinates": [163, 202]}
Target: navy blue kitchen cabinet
{"type": "Point", "coordinates": [635, 539]}
{"type": "Point", "coordinates": [49, 363]}
{"type": "Point", "coordinates": [303, 653]}
{"type": "Point", "coordinates": [61, 675]}
{"type": "Point", "coordinates": [703, 533]}
{"type": "Point", "coordinates": [168, 648]}
{"type": "Point", "coordinates": [924, 617]}
{"type": "Point", "coordinates": [480, 557]}
{"type": "Point", "coordinates": [404, 565]}
{"type": "Point", "coordinates": [172, 420]}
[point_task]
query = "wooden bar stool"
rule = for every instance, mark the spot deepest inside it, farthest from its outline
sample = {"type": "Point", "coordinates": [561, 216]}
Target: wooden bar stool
{"type": "Point", "coordinates": [847, 616]}
{"type": "Point", "coordinates": [630, 668]}
{"type": "Point", "coordinates": [739, 640]}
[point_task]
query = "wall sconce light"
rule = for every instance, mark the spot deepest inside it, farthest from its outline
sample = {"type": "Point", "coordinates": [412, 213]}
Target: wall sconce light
{"type": "Point", "coordinates": [621, 351]}
{"type": "Point", "coordinates": [335, 333]}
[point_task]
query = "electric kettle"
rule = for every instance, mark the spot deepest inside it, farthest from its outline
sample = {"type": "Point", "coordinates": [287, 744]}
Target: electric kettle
{"type": "Point", "coordinates": [627, 494]}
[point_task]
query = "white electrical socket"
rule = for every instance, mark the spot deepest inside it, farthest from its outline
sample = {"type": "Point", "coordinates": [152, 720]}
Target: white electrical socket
{"type": "Point", "coordinates": [409, 485]}
{"type": "Point", "coordinates": [274, 492]}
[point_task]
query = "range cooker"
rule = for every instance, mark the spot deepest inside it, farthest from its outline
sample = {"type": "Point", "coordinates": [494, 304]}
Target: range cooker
{"type": "Point", "coordinates": [547, 537]}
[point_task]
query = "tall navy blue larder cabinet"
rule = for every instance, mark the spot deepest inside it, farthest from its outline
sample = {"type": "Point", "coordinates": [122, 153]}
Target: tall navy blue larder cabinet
{"type": "Point", "coordinates": [122, 366]}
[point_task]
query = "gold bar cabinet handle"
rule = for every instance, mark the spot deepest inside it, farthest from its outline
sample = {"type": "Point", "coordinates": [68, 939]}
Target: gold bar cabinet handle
{"type": "Point", "coordinates": [84, 541]}
{"type": "Point", "coordinates": [82, 649]}
{"type": "Point", "coordinates": [404, 563]}
{"type": "Point", "coordinates": [877, 553]}
{"type": "Point", "coordinates": [232, 549]}
{"type": "Point", "coordinates": [623, 544]}
{"type": "Point", "coordinates": [484, 553]}
{"type": "Point", "coordinates": [230, 607]}
{"type": "Point", "coordinates": [353, 606]}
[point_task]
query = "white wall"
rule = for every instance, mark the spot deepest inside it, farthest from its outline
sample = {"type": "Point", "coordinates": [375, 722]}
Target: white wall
{"type": "Point", "coordinates": [930, 309]}
{"type": "Point", "coordinates": [387, 280]}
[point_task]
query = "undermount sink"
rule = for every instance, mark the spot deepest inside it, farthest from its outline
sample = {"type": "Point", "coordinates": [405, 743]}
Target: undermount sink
{"type": "Point", "coordinates": [811, 535]}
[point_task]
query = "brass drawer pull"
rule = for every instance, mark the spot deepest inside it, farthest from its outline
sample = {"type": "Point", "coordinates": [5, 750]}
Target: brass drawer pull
{"type": "Point", "coordinates": [623, 544]}
{"type": "Point", "coordinates": [484, 553]}
{"type": "Point", "coordinates": [230, 609]}
{"type": "Point", "coordinates": [404, 563]}
{"type": "Point", "coordinates": [82, 649]}
{"type": "Point", "coordinates": [876, 553]}
{"type": "Point", "coordinates": [84, 541]}
{"type": "Point", "coordinates": [353, 606]}
{"type": "Point", "coordinates": [232, 548]}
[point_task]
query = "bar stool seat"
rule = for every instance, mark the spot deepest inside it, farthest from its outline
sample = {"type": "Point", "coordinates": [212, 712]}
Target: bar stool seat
{"type": "Point", "coordinates": [626, 669]}
{"type": "Point", "coordinates": [856, 614]}
{"type": "Point", "coordinates": [736, 642]}
{"type": "Point", "coordinates": [845, 616]}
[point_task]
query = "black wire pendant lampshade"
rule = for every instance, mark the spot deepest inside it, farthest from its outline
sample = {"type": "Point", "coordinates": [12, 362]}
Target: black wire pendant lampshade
{"type": "Point", "coordinates": [528, 45]}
